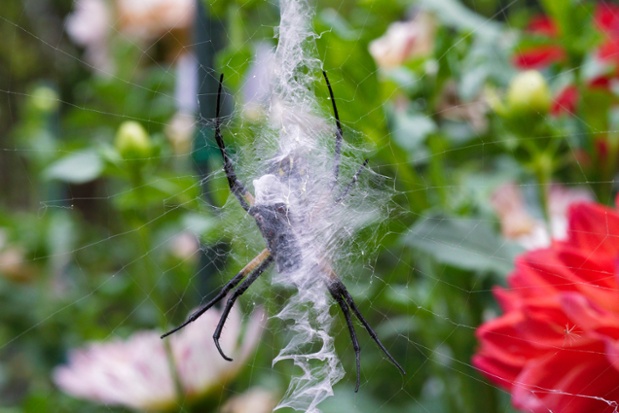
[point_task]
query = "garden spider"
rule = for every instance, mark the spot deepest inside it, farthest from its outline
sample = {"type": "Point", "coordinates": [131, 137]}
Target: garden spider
{"type": "Point", "coordinates": [274, 222]}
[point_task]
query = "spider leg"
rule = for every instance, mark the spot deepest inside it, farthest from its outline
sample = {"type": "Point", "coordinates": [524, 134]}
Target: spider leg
{"type": "Point", "coordinates": [236, 294]}
{"type": "Point", "coordinates": [367, 326]}
{"type": "Point", "coordinates": [255, 265]}
{"type": "Point", "coordinates": [338, 131]}
{"type": "Point", "coordinates": [335, 293]}
{"type": "Point", "coordinates": [352, 182]}
{"type": "Point", "coordinates": [345, 301]}
{"type": "Point", "coordinates": [243, 195]}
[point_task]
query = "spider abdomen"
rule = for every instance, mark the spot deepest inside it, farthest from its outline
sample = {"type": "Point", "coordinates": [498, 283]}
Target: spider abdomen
{"type": "Point", "coordinates": [275, 226]}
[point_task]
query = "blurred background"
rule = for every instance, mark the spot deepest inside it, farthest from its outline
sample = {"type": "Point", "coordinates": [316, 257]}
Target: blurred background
{"type": "Point", "coordinates": [485, 117]}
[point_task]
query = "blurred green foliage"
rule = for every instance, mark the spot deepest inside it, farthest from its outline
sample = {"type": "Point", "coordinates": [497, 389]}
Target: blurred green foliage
{"type": "Point", "coordinates": [91, 230]}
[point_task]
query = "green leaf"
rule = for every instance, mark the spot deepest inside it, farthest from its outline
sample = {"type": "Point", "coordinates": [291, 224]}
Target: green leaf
{"type": "Point", "coordinates": [559, 11]}
{"type": "Point", "coordinates": [77, 168]}
{"type": "Point", "coordinates": [469, 244]}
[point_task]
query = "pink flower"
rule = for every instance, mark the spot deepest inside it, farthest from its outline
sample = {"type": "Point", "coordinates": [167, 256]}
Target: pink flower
{"type": "Point", "coordinates": [556, 347]}
{"type": "Point", "coordinates": [518, 223]}
{"type": "Point", "coordinates": [150, 19]}
{"type": "Point", "coordinates": [137, 372]}
{"type": "Point", "coordinates": [254, 400]}
{"type": "Point", "coordinates": [89, 26]}
{"type": "Point", "coordinates": [133, 372]}
{"type": "Point", "coordinates": [404, 41]}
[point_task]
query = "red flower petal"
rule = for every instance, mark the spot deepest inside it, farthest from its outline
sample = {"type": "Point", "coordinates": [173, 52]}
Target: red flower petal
{"type": "Point", "coordinates": [590, 317]}
{"type": "Point", "coordinates": [594, 229]}
{"type": "Point", "coordinates": [540, 273]}
{"type": "Point", "coordinates": [566, 101]}
{"type": "Point", "coordinates": [609, 50]}
{"type": "Point", "coordinates": [503, 353]}
{"type": "Point", "coordinates": [556, 348]}
{"type": "Point", "coordinates": [607, 18]}
{"type": "Point", "coordinates": [569, 381]}
{"type": "Point", "coordinates": [542, 25]}
{"type": "Point", "coordinates": [544, 55]}
{"type": "Point", "coordinates": [539, 57]}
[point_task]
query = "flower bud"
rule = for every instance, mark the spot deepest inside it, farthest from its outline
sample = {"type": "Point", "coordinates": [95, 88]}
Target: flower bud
{"type": "Point", "coordinates": [528, 95]}
{"type": "Point", "coordinates": [132, 141]}
{"type": "Point", "coordinates": [45, 99]}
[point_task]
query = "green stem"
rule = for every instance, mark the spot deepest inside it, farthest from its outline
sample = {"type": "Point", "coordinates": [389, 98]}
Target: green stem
{"type": "Point", "coordinates": [147, 274]}
{"type": "Point", "coordinates": [437, 167]}
{"type": "Point", "coordinates": [178, 387]}
{"type": "Point", "coordinates": [543, 170]}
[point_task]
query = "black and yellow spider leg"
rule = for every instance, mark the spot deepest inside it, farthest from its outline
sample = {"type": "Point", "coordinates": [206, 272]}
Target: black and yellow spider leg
{"type": "Point", "coordinates": [236, 294]}
{"type": "Point", "coordinates": [257, 265]}
{"type": "Point", "coordinates": [245, 198]}
{"type": "Point", "coordinates": [338, 132]}
{"type": "Point", "coordinates": [345, 301]}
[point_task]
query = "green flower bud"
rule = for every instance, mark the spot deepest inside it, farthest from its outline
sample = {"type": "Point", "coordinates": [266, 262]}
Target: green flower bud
{"type": "Point", "coordinates": [528, 95]}
{"type": "Point", "coordinates": [132, 141]}
{"type": "Point", "coordinates": [45, 99]}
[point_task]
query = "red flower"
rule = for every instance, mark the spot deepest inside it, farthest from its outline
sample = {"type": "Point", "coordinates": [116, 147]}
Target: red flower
{"type": "Point", "coordinates": [607, 21]}
{"type": "Point", "coordinates": [543, 55]}
{"type": "Point", "coordinates": [565, 101]}
{"type": "Point", "coordinates": [556, 347]}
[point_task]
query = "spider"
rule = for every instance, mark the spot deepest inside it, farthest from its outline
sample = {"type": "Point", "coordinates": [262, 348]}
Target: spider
{"type": "Point", "coordinates": [273, 219]}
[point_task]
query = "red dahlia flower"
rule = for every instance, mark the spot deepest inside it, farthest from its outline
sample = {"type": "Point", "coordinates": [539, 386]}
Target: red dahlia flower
{"type": "Point", "coordinates": [556, 347]}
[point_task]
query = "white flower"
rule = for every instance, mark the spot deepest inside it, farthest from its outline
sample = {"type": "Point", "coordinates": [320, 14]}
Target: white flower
{"type": "Point", "coordinates": [404, 41]}
{"type": "Point", "coordinates": [137, 372]}
{"type": "Point", "coordinates": [89, 26]}
{"type": "Point", "coordinates": [89, 23]}
{"type": "Point", "coordinates": [518, 224]}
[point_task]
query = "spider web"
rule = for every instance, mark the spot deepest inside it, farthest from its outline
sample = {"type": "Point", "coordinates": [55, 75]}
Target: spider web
{"type": "Point", "coordinates": [92, 252]}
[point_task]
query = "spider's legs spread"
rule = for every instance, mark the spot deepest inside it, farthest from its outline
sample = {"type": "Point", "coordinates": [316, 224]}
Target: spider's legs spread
{"type": "Point", "coordinates": [345, 301]}
{"type": "Point", "coordinates": [243, 195]}
{"type": "Point", "coordinates": [252, 271]}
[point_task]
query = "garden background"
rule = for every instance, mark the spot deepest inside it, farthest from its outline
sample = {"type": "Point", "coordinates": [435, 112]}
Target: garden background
{"type": "Point", "coordinates": [488, 270]}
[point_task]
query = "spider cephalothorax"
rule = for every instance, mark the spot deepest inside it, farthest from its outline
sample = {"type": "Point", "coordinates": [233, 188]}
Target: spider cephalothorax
{"type": "Point", "coordinates": [272, 209]}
